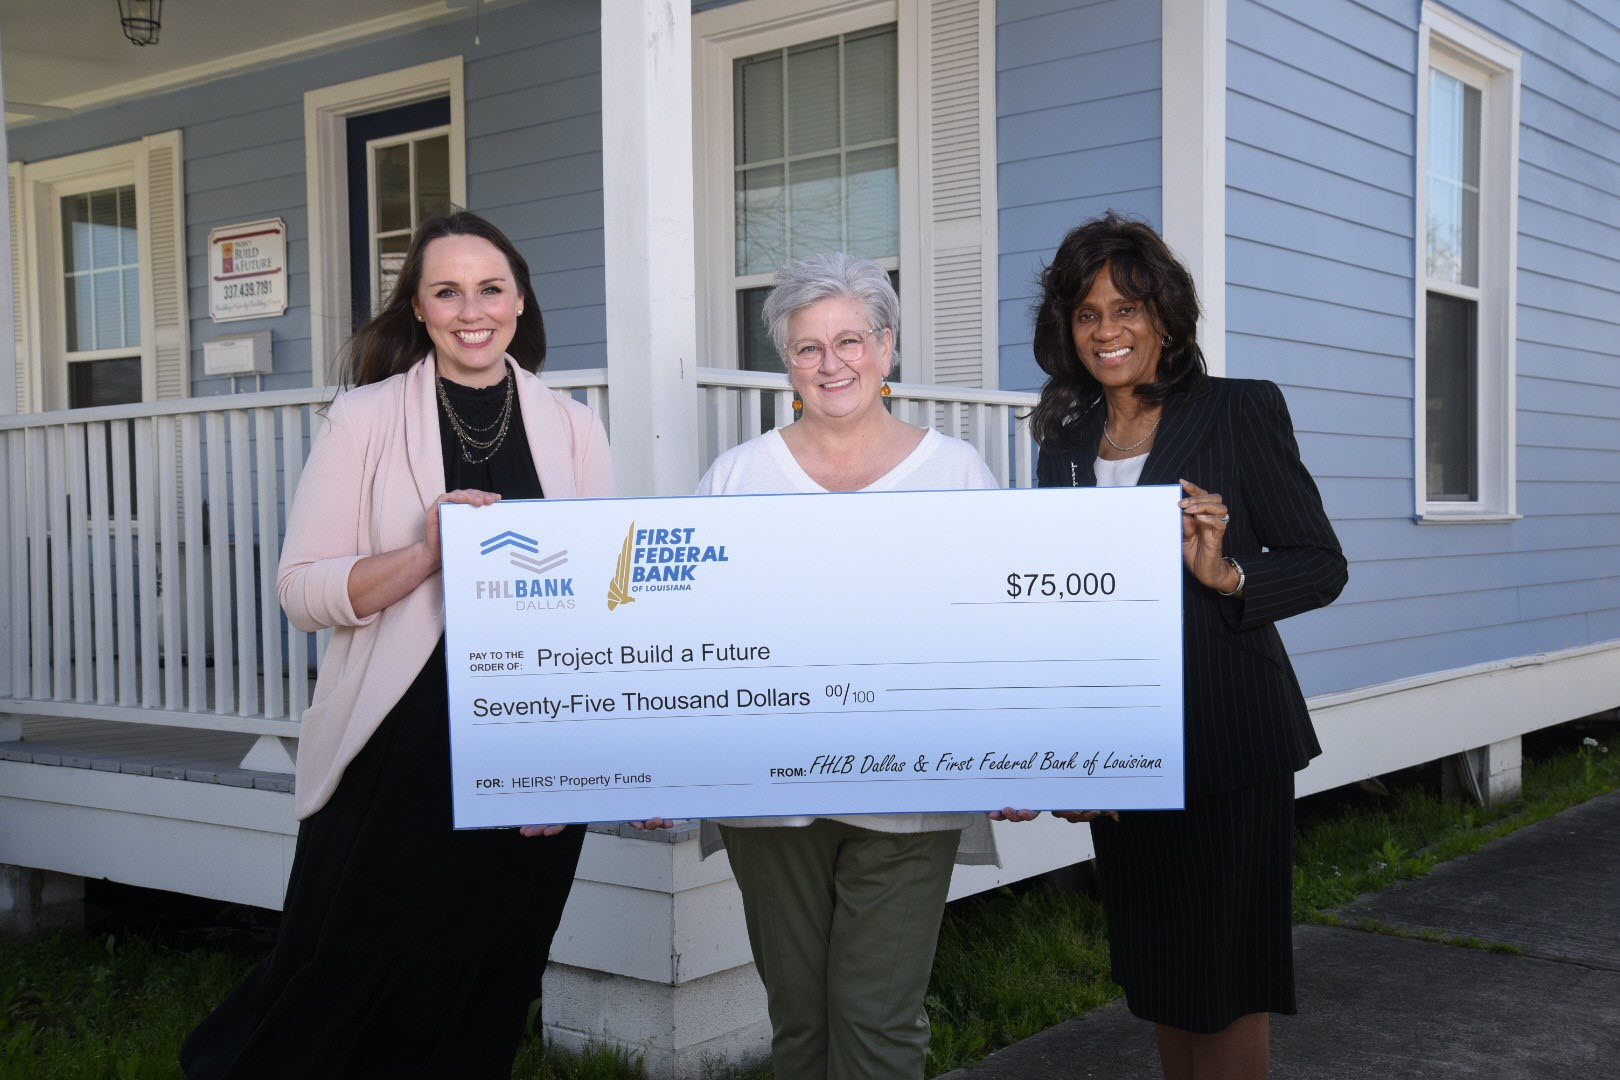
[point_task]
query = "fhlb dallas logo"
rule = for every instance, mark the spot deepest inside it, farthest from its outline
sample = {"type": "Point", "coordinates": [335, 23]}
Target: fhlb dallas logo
{"type": "Point", "coordinates": [529, 592]}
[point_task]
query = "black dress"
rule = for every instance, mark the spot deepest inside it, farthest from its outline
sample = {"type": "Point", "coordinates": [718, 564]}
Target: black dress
{"type": "Point", "coordinates": [406, 948]}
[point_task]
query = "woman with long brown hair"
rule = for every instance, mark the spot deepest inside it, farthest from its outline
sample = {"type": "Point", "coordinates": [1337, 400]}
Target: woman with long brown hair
{"type": "Point", "coordinates": [407, 948]}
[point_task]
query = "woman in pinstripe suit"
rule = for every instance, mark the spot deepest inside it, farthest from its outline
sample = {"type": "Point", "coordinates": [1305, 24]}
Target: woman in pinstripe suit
{"type": "Point", "coordinates": [1199, 901]}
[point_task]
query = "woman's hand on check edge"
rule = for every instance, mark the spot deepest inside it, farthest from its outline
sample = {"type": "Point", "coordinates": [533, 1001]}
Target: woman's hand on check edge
{"type": "Point", "coordinates": [1075, 817]}
{"type": "Point", "coordinates": [652, 823]}
{"type": "Point", "coordinates": [542, 830]}
{"type": "Point", "coordinates": [430, 525]}
{"type": "Point", "coordinates": [1007, 813]}
{"type": "Point", "coordinates": [1203, 538]}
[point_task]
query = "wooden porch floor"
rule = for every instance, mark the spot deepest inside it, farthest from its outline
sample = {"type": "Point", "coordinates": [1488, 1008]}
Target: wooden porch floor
{"type": "Point", "coordinates": [204, 757]}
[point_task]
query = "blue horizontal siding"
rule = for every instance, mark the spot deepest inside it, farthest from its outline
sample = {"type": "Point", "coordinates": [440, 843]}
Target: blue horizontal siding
{"type": "Point", "coordinates": [1320, 262]}
{"type": "Point", "coordinates": [1132, 69]}
{"type": "Point", "coordinates": [1300, 41]}
{"type": "Point", "coordinates": [533, 118]}
{"type": "Point", "coordinates": [1264, 172]}
{"type": "Point", "coordinates": [1036, 33]}
{"type": "Point", "coordinates": [1567, 396]}
{"type": "Point", "coordinates": [1341, 109]}
{"type": "Point", "coordinates": [1279, 356]}
{"type": "Point", "coordinates": [1311, 142]}
{"type": "Point", "coordinates": [1392, 579]}
{"type": "Point", "coordinates": [1558, 261]}
{"type": "Point", "coordinates": [1278, 219]}
{"type": "Point", "coordinates": [1077, 134]}
{"type": "Point", "coordinates": [1338, 318]}
{"type": "Point", "coordinates": [1403, 657]}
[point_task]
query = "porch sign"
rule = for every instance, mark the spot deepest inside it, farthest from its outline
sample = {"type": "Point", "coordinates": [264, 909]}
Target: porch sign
{"type": "Point", "coordinates": [616, 659]}
{"type": "Point", "coordinates": [247, 270]}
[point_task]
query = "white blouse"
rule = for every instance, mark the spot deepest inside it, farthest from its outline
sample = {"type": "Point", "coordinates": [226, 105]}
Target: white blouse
{"type": "Point", "coordinates": [1123, 473]}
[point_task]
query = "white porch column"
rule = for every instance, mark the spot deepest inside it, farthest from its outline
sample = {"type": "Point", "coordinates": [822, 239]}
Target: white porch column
{"type": "Point", "coordinates": [10, 728]}
{"type": "Point", "coordinates": [651, 269]}
{"type": "Point", "coordinates": [9, 405]}
{"type": "Point", "coordinates": [1193, 138]}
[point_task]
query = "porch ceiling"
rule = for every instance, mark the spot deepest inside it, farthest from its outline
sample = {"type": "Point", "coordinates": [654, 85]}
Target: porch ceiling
{"type": "Point", "coordinates": [73, 55]}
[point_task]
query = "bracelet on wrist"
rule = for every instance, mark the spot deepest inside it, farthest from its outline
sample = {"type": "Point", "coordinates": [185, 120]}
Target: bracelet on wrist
{"type": "Point", "coordinates": [1237, 590]}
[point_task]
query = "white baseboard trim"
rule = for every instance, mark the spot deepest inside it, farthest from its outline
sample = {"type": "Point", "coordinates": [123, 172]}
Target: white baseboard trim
{"type": "Point", "coordinates": [1394, 725]}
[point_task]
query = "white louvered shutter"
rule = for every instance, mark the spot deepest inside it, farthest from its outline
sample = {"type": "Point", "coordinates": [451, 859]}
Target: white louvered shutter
{"type": "Point", "coordinates": [958, 200]}
{"type": "Point", "coordinates": [162, 218]}
{"type": "Point", "coordinates": [19, 299]}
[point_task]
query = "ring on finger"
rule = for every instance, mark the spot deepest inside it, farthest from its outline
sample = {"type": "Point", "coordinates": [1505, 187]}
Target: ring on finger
{"type": "Point", "coordinates": [1224, 518]}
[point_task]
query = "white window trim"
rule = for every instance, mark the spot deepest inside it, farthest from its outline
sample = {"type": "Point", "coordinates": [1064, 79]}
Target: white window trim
{"type": "Point", "coordinates": [40, 187]}
{"type": "Point", "coordinates": [326, 176]}
{"type": "Point", "coordinates": [721, 37]}
{"type": "Point", "coordinates": [724, 35]}
{"type": "Point", "coordinates": [1495, 67]}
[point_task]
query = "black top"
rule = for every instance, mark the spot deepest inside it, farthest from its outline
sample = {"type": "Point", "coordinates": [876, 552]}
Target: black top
{"type": "Point", "coordinates": [510, 472]}
{"type": "Point", "coordinates": [1246, 716]}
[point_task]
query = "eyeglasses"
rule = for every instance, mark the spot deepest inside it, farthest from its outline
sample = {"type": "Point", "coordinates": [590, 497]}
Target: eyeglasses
{"type": "Point", "coordinates": [848, 345]}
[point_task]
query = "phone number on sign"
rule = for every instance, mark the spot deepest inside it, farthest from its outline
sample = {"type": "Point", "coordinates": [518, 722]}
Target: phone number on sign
{"type": "Point", "coordinates": [243, 290]}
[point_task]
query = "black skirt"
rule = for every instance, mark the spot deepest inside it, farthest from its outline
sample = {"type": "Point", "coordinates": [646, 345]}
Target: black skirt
{"type": "Point", "coordinates": [1200, 906]}
{"type": "Point", "coordinates": [405, 948]}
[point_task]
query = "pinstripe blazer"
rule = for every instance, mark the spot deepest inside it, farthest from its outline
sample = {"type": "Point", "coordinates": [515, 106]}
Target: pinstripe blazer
{"type": "Point", "coordinates": [1246, 717]}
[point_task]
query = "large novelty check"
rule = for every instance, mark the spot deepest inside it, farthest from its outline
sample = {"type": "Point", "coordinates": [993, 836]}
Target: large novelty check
{"type": "Point", "coordinates": [616, 659]}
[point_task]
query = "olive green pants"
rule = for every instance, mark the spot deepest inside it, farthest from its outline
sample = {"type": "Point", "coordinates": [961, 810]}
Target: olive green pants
{"type": "Point", "coordinates": [843, 922]}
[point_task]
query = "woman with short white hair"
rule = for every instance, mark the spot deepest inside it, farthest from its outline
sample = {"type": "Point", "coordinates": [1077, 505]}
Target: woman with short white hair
{"type": "Point", "coordinates": [843, 913]}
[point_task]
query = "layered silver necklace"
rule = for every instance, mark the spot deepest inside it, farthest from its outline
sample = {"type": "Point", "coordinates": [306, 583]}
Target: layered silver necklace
{"type": "Point", "coordinates": [472, 437]}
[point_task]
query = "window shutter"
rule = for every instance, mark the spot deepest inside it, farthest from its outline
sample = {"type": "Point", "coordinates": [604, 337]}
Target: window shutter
{"type": "Point", "coordinates": [163, 219]}
{"type": "Point", "coordinates": [958, 200]}
{"type": "Point", "coordinates": [19, 301]}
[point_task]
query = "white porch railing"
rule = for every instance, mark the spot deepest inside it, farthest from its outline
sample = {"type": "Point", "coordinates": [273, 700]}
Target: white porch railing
{"type": "Point", "coordinates": [737, 405]}
{"type": "Point", "coordinates": [138, 561]}
{"type": "Point", "coordinates": [139, 550]}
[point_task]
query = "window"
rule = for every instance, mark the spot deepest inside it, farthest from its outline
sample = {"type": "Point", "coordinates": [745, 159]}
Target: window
{"type": "Point", "coordinates": [101, 297]}
{"type": "Point", "coordinates": [398, 175]}
{"type": "Point", "coordinates": [817, 165]}
{"type": "Point", "coordinates": [409, 183]}
{"type": "Point", "coordinates": [864, 127]}
{"type": "Point", "coordinates": [100, 254]}
{"type": "Point", "coordinates": [1467, 226]}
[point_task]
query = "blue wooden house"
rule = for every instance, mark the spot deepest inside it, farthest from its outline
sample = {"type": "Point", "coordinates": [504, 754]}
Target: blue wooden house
{"type": "Point", "coordinates": [1405, 213]}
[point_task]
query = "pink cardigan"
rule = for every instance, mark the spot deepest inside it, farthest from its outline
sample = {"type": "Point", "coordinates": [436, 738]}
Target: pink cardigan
{"type": "Point", "coordinates": [370, 478]}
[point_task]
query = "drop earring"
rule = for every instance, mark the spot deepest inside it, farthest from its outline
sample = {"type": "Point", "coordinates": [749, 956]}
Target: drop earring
{"type": "Point", "coordinates": [887, 389]}
{"type": "Point", "coordinates": [798, 405]}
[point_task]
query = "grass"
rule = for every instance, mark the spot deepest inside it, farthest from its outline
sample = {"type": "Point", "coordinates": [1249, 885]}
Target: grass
{"type": "Point", "coordinates": [1341, 856]}
{"type": "Point", "coordinates": [1018, 960]}
{"type": "Point", "coordinates": [1011, 962]}
{"type": "Point", "coordinates": [1460, 941]}
{"type": "Point", "coordinates": [105, 1006]}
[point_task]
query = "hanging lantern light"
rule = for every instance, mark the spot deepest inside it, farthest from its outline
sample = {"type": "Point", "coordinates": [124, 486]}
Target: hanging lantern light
{"type": "Point", "coordinates": [141, 19]}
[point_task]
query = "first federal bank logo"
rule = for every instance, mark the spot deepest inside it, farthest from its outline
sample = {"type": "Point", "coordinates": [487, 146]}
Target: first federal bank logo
{"type": "Point", "coordinates": [659, 560]}
{"type": "Point", "coordinates": [537, 589]}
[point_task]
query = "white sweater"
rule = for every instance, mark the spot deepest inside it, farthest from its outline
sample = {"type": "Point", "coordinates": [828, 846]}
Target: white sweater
{"type": "Point", "coordinates": [765, 465]}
